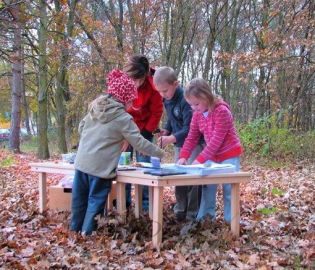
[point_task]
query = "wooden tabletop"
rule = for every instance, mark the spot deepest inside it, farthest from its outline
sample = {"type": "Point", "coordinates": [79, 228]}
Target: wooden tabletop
{"type": "Point", "coordinates": [138, 177]}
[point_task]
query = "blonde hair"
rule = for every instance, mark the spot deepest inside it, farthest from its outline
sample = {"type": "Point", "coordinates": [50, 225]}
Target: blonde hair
{"type": "Point", "coordinates": [200, 89]}
{"type": "Point", "coordinates": [164, 75]}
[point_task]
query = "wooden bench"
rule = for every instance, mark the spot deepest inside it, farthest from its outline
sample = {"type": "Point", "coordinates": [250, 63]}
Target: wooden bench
{"type": "Point", "coordinates": [45, 168]}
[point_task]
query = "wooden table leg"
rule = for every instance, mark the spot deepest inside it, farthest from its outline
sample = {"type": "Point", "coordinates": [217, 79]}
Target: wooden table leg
{"type": "Point", "coordinates": [157, 216]}
{"type": "Point", "coordinates": [138, 200]}
{"type": "Point", "coordinates": [111, 197]}
{"type": "Point", "coordinates": [235, 209]}
{"type": "Point", "coordinates": [150, 201]}
{"type": "Point", "coordinates": [121, 199]}
{"type": "Point", "coordinates": [42, 191]}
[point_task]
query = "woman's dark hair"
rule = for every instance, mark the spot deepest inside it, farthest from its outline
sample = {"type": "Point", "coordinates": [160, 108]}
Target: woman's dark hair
{"type": "Point", "coordinates": [137, 66]}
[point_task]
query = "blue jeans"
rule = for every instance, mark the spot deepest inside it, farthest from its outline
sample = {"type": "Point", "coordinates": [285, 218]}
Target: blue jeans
{"type": "Point", "coordinates": [89, 195]}
{"type": "Point", "coordinates": [208, 196]}
{"type": "Point", "coordinates": [145, 191]}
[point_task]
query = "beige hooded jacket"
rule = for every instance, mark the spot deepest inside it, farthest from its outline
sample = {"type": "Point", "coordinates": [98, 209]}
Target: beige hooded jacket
{"type": "Point", "coordinates": [103, 131]}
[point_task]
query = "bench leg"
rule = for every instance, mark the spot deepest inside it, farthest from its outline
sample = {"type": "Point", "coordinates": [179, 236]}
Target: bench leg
{"type": "Point", "coordinates": [42, 192]}
{"type": "Point", "coordinates": [150, 202]}
{"type": "Point", "coordinates": [157, 216]}
{"type": "Point", "coordinates": [138, 200]}
{"type": "Point", "coordinates": [121, 199]}
{"type": "Point", "coordinates": [235, 209]}
{"type": "Point", "coordinates": [112, 195]}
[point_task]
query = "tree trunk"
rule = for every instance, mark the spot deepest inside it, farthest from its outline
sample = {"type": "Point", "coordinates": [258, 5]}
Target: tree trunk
{"type": "Point", "coordinates": [62, 89]}
{"type": "Point", "coordinates": [210, 41]}
{"type": "Point", "coordinates": [179, 28]}
{"type": "Point", "coordinates": [43, 152]}
{"type": "Point", "coordinates": [24, 101]}
{"type": "Point", "coordinates": [231, 12]}
{"type": "Point", "coordinates": [134, 36]}
{"type": "Point", "coordinates": [14, 143]}
{"type": "Point", "coordinates": [301, 109]}
{"type": "Point", "coordinates": [117, 23]}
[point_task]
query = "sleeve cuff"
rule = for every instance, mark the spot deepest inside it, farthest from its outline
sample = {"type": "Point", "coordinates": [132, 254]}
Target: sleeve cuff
{"type": "Point", "coordinates": [146, 134]}
{"type": "Point", "coordinates": [184, 154]}
{"type": "Point", "coordinates": [201, 159]}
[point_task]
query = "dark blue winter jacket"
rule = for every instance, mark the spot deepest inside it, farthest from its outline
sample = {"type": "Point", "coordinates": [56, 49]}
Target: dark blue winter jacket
{"type": "Point", "coordinates": [179, 115]}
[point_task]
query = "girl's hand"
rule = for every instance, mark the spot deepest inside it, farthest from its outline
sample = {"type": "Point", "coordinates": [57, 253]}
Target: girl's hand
{"type": "Point", "coordinates": [125, 146]}
{"type": "Point", "coordinates": [166, 140]}
{"type": "Point", "coordinates": [182, 161]}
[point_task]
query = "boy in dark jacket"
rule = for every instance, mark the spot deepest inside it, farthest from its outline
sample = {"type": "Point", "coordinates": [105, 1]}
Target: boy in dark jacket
{"type": "Point", "coordinates": [179, 115]}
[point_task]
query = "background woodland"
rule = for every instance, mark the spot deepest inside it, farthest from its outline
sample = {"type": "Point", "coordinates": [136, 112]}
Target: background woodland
{"type": "Point", "coordinates": [258, 55]}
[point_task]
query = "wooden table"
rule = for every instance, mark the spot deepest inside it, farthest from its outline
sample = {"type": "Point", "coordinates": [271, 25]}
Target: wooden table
{"type": "Point", "coordinates": [156, 185]}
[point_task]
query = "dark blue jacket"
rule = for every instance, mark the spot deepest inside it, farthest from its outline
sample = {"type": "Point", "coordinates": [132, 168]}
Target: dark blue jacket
{"type": "Point", "coordinates": [179, 115]}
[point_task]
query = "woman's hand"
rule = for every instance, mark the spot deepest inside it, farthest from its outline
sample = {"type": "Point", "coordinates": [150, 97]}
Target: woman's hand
{"type": "Point", "coordinates": [182, 161]}
{"type": "Point", "coordinates": [125, 146]}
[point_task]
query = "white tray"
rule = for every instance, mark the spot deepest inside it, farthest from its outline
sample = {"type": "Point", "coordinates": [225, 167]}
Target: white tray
{"type": "Point", "coordinates": [201, 169]}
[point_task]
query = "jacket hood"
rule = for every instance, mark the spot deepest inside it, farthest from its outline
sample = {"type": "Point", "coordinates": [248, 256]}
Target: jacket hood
{"type": "Point", "coordinates": [105, 109]}
{"type": "Point", "coordinates": [222, 103]}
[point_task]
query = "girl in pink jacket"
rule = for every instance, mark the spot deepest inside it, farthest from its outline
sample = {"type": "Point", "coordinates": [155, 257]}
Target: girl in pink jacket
{"type": "Point", "coordinates": [213, 119]}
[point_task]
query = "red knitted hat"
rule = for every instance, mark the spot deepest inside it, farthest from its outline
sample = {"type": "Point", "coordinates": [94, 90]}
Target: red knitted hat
{"type": "Point", "coordinates": [121, 87]}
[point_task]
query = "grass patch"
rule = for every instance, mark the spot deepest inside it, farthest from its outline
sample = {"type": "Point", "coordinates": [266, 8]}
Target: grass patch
{"type": "Point", "coordinates": [268, 211]}
{"type": "Point", "coordinates": [8, 161]}
{"type": "Point", "coordinates": [30, 145]}
{"type": "Point", "coordinates": [276, 191]}
{"type": "Point", "coordinates": [274, 144]}
{"type": "Point", "coordinates": [264, 191]}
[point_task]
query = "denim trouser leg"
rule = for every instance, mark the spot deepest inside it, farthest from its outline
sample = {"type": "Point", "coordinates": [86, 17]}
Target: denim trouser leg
{"type": "Point", "coordinates": [128, 195]}
{"type": "Point", "coordinates": [89, 194]}
{"type": "Point", "coordinates": [80, 191]}
{"type": "Point", "coordinates": [208, 197]}
{"type": "Point", "coordinates": [145, 197]}
{"type": "Point", "coordinates": [99, 189]}
{"type": "Point", "coordinates": [227, 201]}
{"type": "Point", "coordinates": [208, 202]}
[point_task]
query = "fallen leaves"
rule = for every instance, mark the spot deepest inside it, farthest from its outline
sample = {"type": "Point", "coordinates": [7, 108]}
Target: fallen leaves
{"type": "Point", "coordinates": [270, 239]}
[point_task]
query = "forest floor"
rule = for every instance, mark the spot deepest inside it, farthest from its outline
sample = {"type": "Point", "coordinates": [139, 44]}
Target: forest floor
{"type": "Point", "coordinates": [277, 227]}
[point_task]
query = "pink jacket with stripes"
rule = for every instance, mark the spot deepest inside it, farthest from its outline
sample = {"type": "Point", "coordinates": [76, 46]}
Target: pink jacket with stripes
{"type": "Point", "coordinates": [219, 133]}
